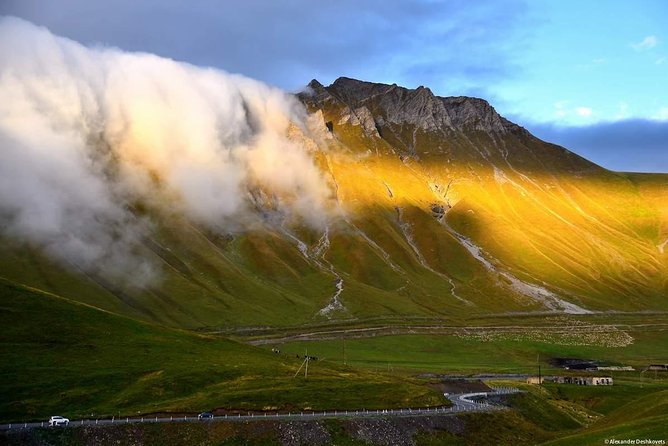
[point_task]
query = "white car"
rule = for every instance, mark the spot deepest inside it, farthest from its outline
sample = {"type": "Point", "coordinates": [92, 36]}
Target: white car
{"type": "Point", "coordinates": [58, 421]}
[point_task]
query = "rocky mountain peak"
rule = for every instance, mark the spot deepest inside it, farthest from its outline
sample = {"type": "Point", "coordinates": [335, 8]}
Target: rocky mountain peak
{"type": "Point", "coordinates": [420, 107]}
{"type": "Point", "coordinates": [314, 93]}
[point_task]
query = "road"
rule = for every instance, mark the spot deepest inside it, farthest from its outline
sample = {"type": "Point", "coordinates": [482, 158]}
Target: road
{"type": "Point", "coordinates": [461, 404]}
{"type": "Point", "coordinates": [464, 403]}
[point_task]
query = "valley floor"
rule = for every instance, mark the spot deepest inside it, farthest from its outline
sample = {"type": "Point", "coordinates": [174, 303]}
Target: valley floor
{"type": "Point", "coordinates": [67, 358]}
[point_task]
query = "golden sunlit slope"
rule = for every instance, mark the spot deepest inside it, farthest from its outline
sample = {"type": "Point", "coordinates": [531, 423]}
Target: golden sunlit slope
{"type": "Point", "coordinates": [538, 213]}
{"type": "Point", "coordinates": [444, 209]}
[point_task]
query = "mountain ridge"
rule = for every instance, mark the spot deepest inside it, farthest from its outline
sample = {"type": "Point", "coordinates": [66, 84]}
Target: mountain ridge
{"type": "Point", "coordinates": [397, 114]}
{"type": "Point", "coordinates": [420, 106]}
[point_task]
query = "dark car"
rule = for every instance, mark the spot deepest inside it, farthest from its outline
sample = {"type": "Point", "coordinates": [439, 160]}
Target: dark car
{"type": "Point", "coordinates": [205, 416]}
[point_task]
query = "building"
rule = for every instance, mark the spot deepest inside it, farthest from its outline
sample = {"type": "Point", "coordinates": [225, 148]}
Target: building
{"type": "Point", "coordinates": [585, 380]}
{"type": "Point", "coordinates": [535, 380]}
{"type": "Point", "coordinates": [600, 381]}
{"type": "Point", "coordinates": [659, 367]}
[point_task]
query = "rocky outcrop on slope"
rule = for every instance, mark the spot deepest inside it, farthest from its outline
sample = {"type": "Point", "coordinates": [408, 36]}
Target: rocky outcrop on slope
{"type": "Point", "coordinates": [398, 105]}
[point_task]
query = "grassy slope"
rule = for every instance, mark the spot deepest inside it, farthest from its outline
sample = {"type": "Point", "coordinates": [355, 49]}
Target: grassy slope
{"type": "Point", "coordinates": [589, 234]}
{"type": "Point", "coordinates": [63, 357]}
{"type": "Point", "coordinates": [638, 413]}
{"type": "Point", "coordinates": [544, 213]}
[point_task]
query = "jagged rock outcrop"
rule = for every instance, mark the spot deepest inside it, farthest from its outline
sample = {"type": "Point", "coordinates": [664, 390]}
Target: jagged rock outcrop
{"type": "Point", "coordinates": [468, 113]}
{"type": "Point", "coordinates": [361, 116]}
{"type": "Point", "coordinates": [398, 105]}
{"type": "Point", "coordinates": [415, 123]}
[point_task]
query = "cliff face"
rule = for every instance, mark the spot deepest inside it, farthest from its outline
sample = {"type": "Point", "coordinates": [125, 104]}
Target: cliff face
{"type": "Point", "coordinates": [419, 107]}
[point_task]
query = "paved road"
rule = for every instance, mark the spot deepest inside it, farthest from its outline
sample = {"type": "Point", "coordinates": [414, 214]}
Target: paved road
{"type": "Point", "coordinates": [463, 401]}
{"type": "Point", "coordinates": [461, 404]}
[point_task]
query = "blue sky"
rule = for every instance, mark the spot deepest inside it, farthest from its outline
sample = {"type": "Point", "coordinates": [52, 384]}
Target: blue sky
{"type": "Point", "coordinates": [590, 75]}
{"type": "Point", "coordinates": [592, 61]}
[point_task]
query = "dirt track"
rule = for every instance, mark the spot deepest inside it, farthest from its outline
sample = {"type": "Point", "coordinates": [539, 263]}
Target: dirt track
{"type": "Point", "coordinates": [386, 330]}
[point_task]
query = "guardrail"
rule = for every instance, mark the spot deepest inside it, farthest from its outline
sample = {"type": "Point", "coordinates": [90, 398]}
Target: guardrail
{"type": "Point", "coordinates": [455, 409]}
{"type": "Point", "coordinates": [505, 390]}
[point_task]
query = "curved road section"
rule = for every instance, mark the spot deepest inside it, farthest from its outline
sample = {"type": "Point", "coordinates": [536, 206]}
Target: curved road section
{"type": "Point", "coordinates": [461, 403]}
{"type": "Point", "coordinates": [464, 402]}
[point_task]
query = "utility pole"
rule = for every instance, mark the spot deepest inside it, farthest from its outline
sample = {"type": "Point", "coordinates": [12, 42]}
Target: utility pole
{"type": "Point", "coordinates": [344, 351]}
{"type": "Point", "coordinates": [304, 363]}
{"type": "Point", "coordinates": [540, 381]}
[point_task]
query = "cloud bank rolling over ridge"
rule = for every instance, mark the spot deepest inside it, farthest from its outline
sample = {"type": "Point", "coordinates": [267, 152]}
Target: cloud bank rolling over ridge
{"type": "Point", "coordinates": [86, 134]}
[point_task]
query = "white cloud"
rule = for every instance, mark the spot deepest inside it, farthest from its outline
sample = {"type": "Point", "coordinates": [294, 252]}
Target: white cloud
{"type": "Point", "coordinates": [646, 44]}
{"type": "Point", "coordinates": [623, 111]}
{"type": "Point", "coordinates": [86, 134]}
{"type": "Point", "coordinates": [565, 112]}
{"type": "Point", "coordinates": [661, 114]}
{"type": "Point", "coordinates": [584, 111]}
{"type": "Point", "coordinates": [560, 110]}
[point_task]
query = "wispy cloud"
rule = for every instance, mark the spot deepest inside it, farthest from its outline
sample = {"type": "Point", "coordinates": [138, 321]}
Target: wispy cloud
{"type": "Point", "coordinates": [662, 114]}
{"type": "Point", "coordinates": [565, 112]}
{"type": "Point", "coordinates": [585, 112]}
{"type": "Point", "coordinates": [647, 43]}
{"type": "Point", "coordinates": [560, 109]}
{"type": "Point", "coordinates": [623, 112]}
{"type": "Point", "coordinates": [661, 60]}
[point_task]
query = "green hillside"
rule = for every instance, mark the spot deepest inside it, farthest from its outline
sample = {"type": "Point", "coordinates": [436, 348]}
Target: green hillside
{"type": "Point", "coordinates": [59, 356]}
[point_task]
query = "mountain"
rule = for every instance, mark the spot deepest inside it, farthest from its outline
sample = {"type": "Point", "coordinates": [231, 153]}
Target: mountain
{"type": "Point", "coordinates": [444, 209]}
